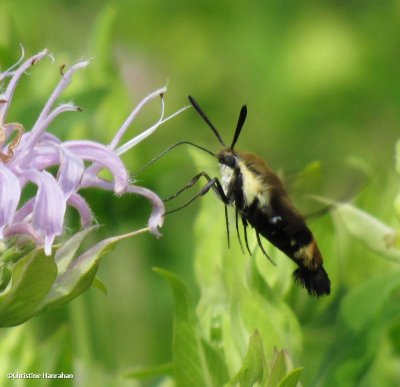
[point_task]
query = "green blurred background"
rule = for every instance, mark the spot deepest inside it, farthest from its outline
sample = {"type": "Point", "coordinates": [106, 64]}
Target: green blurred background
{"type": "Point", "coordinates": [321, 81]}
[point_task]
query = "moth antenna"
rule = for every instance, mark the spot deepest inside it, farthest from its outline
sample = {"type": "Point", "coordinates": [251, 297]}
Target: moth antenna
{"type": "Point", "coordinates": [239, 126]}
{"type": "Point", "coordinates": [164, 152]}
{"type": "Point", "coordinates": [206, 119]}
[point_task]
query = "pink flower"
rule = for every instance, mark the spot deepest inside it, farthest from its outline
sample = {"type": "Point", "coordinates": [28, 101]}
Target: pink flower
{"type": "Point", "coordinates": [26, 156]}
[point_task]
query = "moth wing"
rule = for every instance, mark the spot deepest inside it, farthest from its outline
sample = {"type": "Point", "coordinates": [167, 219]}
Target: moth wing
{"type": "Point", "coordinates": [340, 182]}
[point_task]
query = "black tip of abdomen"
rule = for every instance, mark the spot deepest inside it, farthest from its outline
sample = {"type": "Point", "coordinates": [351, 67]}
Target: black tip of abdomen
{"type": "Point", "coordinates": [315, 281]}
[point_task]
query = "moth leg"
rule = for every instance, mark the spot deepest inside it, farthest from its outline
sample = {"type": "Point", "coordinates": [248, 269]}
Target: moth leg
{"type": "Point", "coordinates": [217, 187]}
{"type": "Point", "coordinates": [227, 226]}
{"type": "Point", "coordinates": [262, 248]}
{"type": "Point", "coordinates": [237, 229]}
{"type": "Point", "coordinates": [245, 234]}
{"type": "Point", "coordinates": [188, 185]}
{"type": "Point", "coordinates": [212, 184]}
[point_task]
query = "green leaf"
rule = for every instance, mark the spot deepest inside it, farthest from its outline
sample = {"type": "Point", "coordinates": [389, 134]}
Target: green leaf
{"type": "Point", "coordinates": [99, 284]}
{"type": "Point", "coordinates": [5, 276]}
{"type": "Point", "coordinates": [278, 369]}
{"type": "Point", "coordinates": [215, 363]}
{"type": "Point", "coordinates": [66, 253]}
{"type": "Point", "coordinates": [31, 279]}
{"type": "Point", "coordinates": [291, 379]}
{"type": "Point", "coordinates": [189, 357]}
{"type": "Point", "coordinates": [364, 317]}
{"type": "Point", "coordinates": [13, 253]}
{"type": "Point", "coordinates": [80, 272]}
{"type": "Point", "coordinates": [254, 368]}
{"type": "Point", "coordinates": [373, 233]}
{"type": "Point", "coordinates": [364, 303]}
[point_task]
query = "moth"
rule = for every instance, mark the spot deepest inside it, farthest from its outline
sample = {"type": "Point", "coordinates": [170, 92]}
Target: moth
{"type": "Point", "coordinates": [260, 201]}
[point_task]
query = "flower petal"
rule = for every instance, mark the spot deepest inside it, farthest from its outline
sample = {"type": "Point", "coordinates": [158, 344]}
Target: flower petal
{"type": "Point", "coordinates": [8, 94]}
{"type": "Point", "coordinates": [49, 209]}
{"type": "Point", "coordinates": [92, 151]}
{"type": "Point", "coordinates": [42, 157]}
{"type": "Point", "coordinates": [80, 204]}
{"type": "Point", "coordinates": [156, 219]}
{"type": "Point", "coordinates": [23, 229]}
{"type": "Point", "coordinates": [10, 192]}
{"type": "Point", "coordinates": [62, 85]}
{"type": "Point", "coordinates": [134, 113]}
{"type": "Point", "coordinates": [41, 126]}
{"type": "Point", "coordinates": [24, 211]}
{"type": "Point", "coordinates": [70, 172]}
{"type": "Point", "coordinates": [140, 137]}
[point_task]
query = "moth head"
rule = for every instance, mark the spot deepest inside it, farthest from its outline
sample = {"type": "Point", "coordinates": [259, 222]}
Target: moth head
{"type": "Point", "coordinates": [226, 156]}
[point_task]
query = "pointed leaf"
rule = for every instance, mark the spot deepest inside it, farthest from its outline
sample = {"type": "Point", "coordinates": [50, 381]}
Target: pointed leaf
{"type": "Point", "coordinates": [291, 379]}
{"type": "Point", "coordinates": [254, 368]}
{"type": "Point", "coordinates": [32, 277]}
{"type": "Point", "coordinates": [99, 284]}
{"type": "Point", "coordinates": [67, 251]}
{"type": "Point", "coordinates": [374, 234]}
{"type": "Point", "coordinates": [189, 362]}
{"type": "Point", "coordinates": [364, 303]}
{"type": "Point", "coordinates": [278, 369]}
{"type": "Point", "coordinates": [216, 364]}
{"type": "Point", "coordinates": [80, 273]}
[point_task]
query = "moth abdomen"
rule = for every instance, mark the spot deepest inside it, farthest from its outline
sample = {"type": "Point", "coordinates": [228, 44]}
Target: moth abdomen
{"type": "Point", "coordinates": [315, 281]}
{"type": "Point", "coordinates": [294, 238]}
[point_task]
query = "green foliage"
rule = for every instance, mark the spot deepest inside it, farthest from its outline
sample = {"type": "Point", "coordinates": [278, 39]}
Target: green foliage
{"type": "Point", "coordinates": [365, 314]}
{"type": "Point", "coordinates": [376, 235]}
{"type": "Point", "coordinates": [321, 82]}
{"type": "Point", "coordinates": [75, 272]}
{"type": "Point", "coordinates": [201, 361]}
{"type": "Point", "coordinates": [38, 282]}
{"type": "Point", "coordinates": [254, 368]}
{"type": "Point", "coordinates": [21, 350]}
{"type": "Point", "coordinates": [31, 278]}
{"type": "Point", "coordinates": [222, 341]}
{"type": "Point", "coordinates": [240, 296]}
{"type": "Point", "coordinates": [191, 360]}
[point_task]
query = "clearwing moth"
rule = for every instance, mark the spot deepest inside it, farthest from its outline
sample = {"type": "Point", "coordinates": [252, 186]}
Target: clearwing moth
{"type": "Point", "coordinates": [260, 200]}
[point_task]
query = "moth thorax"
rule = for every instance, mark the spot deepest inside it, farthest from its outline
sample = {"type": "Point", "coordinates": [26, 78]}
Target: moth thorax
{"type": "Point", "coordinates": [227, 176]}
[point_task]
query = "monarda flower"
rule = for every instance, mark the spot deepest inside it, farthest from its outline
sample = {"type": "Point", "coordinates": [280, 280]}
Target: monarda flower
{"type": "Point", "coordinates": [33, 280]}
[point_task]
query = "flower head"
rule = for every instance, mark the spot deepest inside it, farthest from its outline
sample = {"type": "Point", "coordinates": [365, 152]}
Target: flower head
{"type": "Point", "coordinates": [27, 155]}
